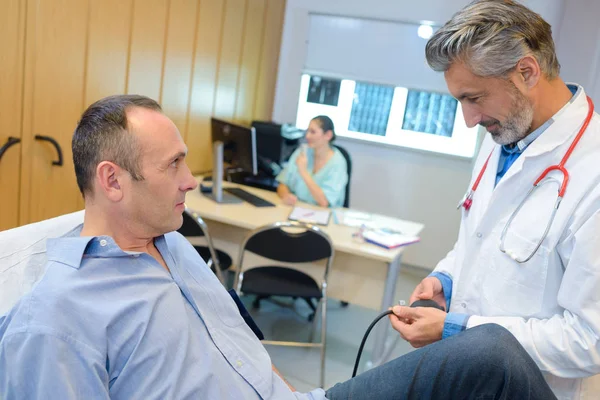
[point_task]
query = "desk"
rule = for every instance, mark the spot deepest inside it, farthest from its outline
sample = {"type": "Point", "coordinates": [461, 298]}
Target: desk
{"type": "Point", "coordinates": [361, 273]}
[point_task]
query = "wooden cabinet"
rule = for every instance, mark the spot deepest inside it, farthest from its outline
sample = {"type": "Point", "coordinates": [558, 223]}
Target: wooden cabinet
{"type": "Point", "coordinates": [55, 67]}
{"type": "Point", "coordinates": [197, 58]}
{"type": "Point", "coordinates": [12, 38]}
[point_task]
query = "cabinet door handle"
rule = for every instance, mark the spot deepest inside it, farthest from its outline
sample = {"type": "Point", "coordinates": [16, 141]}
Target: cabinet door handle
{"type": "Point", "coordinates": [10, 142]}
{"type": "Point", "coordinates": [58, 162]}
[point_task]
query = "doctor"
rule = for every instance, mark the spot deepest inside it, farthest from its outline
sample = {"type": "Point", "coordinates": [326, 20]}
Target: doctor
{"type": "Point", "coordinates": [530, 263]}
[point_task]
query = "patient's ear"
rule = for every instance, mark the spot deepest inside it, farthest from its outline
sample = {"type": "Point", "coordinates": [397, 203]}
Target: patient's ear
{"type": "Point", "coordinates": [108, 176]}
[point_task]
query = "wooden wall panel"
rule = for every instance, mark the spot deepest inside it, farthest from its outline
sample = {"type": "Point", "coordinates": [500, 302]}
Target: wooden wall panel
{"type": "Point", "coordinates": [12, 39]}
{"type": "Point", "coordinates": [229, 60]}
{"type": "Point", "coordinates": [54, 84]}
{"type": "Point", "coordinates": [147, 47]}
{"type": "Point", "coordinates": [233, 50]}
{"type": "Point", "coordinates": [208, 38]}
{"type": "Point", "coordinates": [265, 90]}
{"type": "Point", "coordinates": [108, 49]}
{"type": "Point", "coordinates": [178, 60]}
{"type": "Point", "coordinates": [251, 52]}
{"type": "Point", "coordinates": [198, 58]}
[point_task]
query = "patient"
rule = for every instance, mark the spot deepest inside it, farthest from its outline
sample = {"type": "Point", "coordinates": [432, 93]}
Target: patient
{"type": "Point", "coordinates": [317, 172]}
{"type": "Point", "coordinates": [128, 310]}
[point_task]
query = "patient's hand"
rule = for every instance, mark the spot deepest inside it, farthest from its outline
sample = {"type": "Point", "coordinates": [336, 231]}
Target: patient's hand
{"type": "Point", "coordinates": [290, 199]}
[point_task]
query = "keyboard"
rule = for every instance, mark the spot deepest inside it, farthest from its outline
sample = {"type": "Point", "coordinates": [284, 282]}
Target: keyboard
{"type": "Point", "coordinates": [249, 197]}
{"type": "Point", "coordinates": [265, 183]}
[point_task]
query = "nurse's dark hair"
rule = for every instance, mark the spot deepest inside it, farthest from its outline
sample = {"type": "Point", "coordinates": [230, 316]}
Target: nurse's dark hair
{"type": "Point", "coordinates": [103, 134]}
{"type": "Point", "coordinates": [490, 37]}
{"type": "Point", "coordinates": [326, 124]}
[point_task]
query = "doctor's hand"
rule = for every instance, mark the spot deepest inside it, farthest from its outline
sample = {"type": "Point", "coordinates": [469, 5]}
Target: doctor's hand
{"type": "Point", "coordinates": [419, 326]}
{"type": "Point", "coordinates": [430, 288]}
{"type": "Point", "coordinates": [290, 199]}
{"type": "Point", "coordinates": [302, 162]}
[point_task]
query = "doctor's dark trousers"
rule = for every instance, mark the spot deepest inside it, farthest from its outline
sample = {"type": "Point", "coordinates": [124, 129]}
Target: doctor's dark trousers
{"type": "Point", "coordinates": [485, 362]}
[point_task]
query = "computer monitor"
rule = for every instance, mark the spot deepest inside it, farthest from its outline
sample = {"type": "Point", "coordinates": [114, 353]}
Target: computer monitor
{"type": "Point", "coordinates": [239, 145]}
{"type": "Point", "coordinates": [275, 144]}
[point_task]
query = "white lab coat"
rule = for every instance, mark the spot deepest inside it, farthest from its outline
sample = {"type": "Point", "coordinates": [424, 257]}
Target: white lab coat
{"type": "Point", "coordinates": [551, 304]}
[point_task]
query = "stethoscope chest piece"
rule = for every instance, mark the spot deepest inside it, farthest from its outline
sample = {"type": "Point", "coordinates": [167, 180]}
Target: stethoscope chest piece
{"type": "Point", "coordinates": [467, 201]}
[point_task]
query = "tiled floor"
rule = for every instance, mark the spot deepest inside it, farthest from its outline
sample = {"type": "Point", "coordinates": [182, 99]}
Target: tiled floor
{"type": "Point", "coordinates": [345, 329]}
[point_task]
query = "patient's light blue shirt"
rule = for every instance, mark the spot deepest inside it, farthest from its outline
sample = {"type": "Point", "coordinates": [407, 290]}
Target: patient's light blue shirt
{"type": "Point", "coordinates": [106, 324]}
{"type": "Point", "coordinates": [332, 178]}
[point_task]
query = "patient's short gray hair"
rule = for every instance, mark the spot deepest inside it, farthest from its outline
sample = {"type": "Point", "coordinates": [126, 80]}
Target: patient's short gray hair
{"type": "Point", "coordinates": [104, 134]}
{"type": "Point", "coordinates": [490, 37]}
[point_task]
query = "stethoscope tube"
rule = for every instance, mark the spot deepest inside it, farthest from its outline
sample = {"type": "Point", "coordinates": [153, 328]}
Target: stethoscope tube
{"type": "Point", "coordinates": [516, 212]}
{"type": "Point", "coordinates": [468, 198]}
{"type": "Point", "coordinates": [541, 180]}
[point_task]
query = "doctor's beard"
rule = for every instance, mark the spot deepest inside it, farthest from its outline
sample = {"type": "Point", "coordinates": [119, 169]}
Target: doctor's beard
{"type": "Point", "coordinates": [517, 124]}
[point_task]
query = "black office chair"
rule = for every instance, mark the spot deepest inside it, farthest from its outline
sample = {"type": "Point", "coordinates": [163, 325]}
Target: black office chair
{"type": "Point", "coordinates": [289, 242]}
{"type": "Point", "coordinates": [349, 166]}
{"type": "Point", "coordinates": [194, 227]}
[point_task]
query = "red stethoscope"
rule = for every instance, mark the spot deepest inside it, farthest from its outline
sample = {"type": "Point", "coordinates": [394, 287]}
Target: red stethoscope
{"type": "Point", "coordinates": [467, 200]}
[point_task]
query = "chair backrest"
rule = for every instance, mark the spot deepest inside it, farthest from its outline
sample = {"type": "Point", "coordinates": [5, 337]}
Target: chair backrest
{"type": "Point", "coordinates": [349, 169]}
{"type": "Point", "coordinates": [274, 242]}
{"type": "Point", "coordinates": [194, 226]}
{"type": "Point", "coordinates": [23, 255]}
{"type": "Point", "coordinates": [289, 242]}
{"type": "Point", "coordinates": [191, 227]}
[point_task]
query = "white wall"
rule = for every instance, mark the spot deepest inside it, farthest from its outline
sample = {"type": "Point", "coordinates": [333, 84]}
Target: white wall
{"type": "Point", "coordinates": [578, 45]}
{"type": "Point", "coordinates": [359, 49]}
{"type": "Point", "coordinates": [413, 185]}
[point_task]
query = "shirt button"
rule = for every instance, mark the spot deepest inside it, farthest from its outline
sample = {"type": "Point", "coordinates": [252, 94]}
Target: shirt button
{"type": "Point", "coordinates": [463, 305]}
{"type": "Point", "coordinates": [479, 235]}
{"type": "Point", "coordinates": [239, 363]}
{"type": "Point", "coordinates": [103, 243]}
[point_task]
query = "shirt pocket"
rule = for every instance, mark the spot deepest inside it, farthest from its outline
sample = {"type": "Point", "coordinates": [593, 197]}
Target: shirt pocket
{"type": "Point", "coordinates": [225, 307]}
{"type": "Point", "coordinates": [209, 295]}
{"type": "Point", "coordinates": [511, 288]}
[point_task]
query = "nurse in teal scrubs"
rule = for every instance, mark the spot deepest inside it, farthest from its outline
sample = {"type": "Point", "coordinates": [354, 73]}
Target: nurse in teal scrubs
{"type": "Point", "coordinates": [316, 173]}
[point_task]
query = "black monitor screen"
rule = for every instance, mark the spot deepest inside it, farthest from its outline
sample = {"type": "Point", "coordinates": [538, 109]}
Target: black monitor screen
{"type": "Point", "coordinates": [239, 145]}
{"type": "Point", "coordinates": [268, 141]}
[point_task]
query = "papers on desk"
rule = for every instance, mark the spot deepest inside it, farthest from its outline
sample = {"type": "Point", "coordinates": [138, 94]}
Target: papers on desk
{"type": "Point", "coordinates": [353, 219]}
{"type": "Point", "coordinates": [310, 216]}
{"type": "Point", "coordinates": [388, 239]}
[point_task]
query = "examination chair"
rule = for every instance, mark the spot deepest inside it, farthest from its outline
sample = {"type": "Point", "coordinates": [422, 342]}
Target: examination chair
{"type": "Point", "coordinates": [23, 255]}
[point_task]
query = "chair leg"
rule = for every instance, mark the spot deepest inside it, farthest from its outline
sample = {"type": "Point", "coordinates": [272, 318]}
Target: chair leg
{"type": "Point", "coordinates": [256, 303]}
{"type": "Point", "coordinates": [314, 326]}
{"type": "Point", "coordinates": [308, 301]}
{"type": "Point", "coordinates": [323, 304]}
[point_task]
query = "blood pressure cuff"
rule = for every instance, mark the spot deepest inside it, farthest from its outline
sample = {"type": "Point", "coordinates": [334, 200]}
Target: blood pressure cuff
{"type": "Point", "coordinates": [246, 315]}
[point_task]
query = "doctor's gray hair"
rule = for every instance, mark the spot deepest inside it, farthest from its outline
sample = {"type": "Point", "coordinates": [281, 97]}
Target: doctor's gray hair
{"type": "Point", "coordinates": [490, 37]}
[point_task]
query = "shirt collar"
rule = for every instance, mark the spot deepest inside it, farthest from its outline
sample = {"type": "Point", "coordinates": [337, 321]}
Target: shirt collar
{"type": "Point", "coordinates": [71, 248]}
{"type": "Point", "coordinates": [522, 144]}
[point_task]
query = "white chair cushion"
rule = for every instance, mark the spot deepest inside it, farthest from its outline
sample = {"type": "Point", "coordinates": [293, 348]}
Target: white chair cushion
{"type": "Point", "coordinates": [23, 255]}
